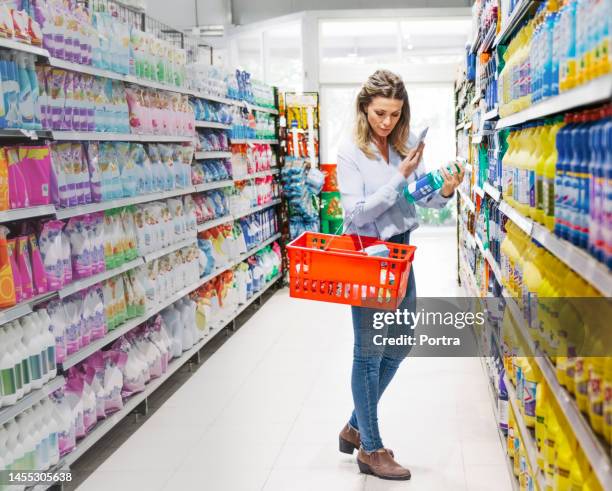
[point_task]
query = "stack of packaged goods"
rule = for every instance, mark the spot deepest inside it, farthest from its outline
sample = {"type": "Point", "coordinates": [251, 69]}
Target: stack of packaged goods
{"type": "Point", "coordinates": [331, 206]}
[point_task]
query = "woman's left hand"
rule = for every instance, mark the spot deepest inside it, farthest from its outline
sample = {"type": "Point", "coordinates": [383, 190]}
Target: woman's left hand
{"type": "Point", "coordinates": [451, 181]}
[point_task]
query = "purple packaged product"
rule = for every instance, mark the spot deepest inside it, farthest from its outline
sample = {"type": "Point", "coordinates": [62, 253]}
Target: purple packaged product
{"type": "Point", "coordinates": [96, 362]}
{"type": "Point", "coordinates": [114, 359]}
{"type": "Point", "coordinates": [57, 314]}
{"type": "Point", "coordinates": [80, 248]}
{"type": "Point", "coordinates": [98, 321]}
{"type": "Point", "coordinates": [66, 436]}
{"type": "Point", "coordinates": [73, 307]}
{"type": "Point", "coordinates": [86, 320]}
{"type": "Point", "coordinates": [68, 102]}
{"type": "Point", "coordinates": [43, 102]}
{"type": "Point", "coordinates": [38, 269]}
{"type": "Point", "coordinates": [81, 106]}
{"type": "Point", "coordinates": [55, 81]}
{"type": "Point", "coordinates": [92, 152]}
{"type": "Point", "coordinates": [50, 244]}
{"type": "Point", "coordinates": [74, 391]}
{"type": "Point", "coordinates": [90, 97]}
{"type": "Point", "coordinates": [97, 225]}
{"type": "Point", "coordinates": [66, 259]}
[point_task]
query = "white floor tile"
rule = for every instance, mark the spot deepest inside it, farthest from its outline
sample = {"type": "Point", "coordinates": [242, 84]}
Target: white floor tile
{"type": "Point", "coordinates": [345, 479]}
{"type": "Point", "coordinates": [487, 477]}
{"type": "Point", "coordinates": [126, 481]}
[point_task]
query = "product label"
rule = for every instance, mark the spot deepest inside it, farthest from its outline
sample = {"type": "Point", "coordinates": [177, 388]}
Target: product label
{"type": "Point", "coordinates": [502, 407]}
{"type": "Point", "coordinates": [529, 397]}
{"type": "Point", "coordinates": [419, 189]}
{"type": "Point", "coordinates": [25, 371]}
{"type": "Point", "coordinates": [532, 188]}
{"type": "Point", "coordinates": [36, 366]}
{"type": "Point", "coordinates": [18, 376]}
{"type": "Point", "coordinates": [7, 381]}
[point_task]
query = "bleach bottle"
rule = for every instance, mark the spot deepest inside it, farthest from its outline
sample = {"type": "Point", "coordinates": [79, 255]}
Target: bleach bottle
{"type": "Point", "coordinates": [427, 184]}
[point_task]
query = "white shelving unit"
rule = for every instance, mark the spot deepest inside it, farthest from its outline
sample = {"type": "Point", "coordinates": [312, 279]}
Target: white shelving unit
{"type": "Point", "coordinates": [213, 155]}
{"type": "Point", "coordinates": [213, 125]}
{"type": "Point", "coordinates": [269, 141]}
{"type": "Point", "coordinates": [597, 90]}
{"type": "Point", "coordinates": [22, 213]}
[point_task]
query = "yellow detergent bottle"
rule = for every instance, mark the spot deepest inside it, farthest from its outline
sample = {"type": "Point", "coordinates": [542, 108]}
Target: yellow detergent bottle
{"type": "Point", "coordinates": [516, 468]}
{"type": "Point", "coordinates": [524, 242]}
{"type": "Point", "coordinates": [542, 404]}
{"type": "Point", "coordinates": [552, 432]}
{"type": "Point", "coordinates": [511, 430]}
{"type": "Point", "coordinates": [595, 392]}
{"type": "Point", "coordinates": [508, 166]}
{"type": "Point", "coordinates": [607, 410]}
{"type": "Point", "coordinates": [532, 279]}
{"type": "Point", "coordinates": [581, 382]}
{"type": "Point", "coordinates": [592, 483]}
{"type": "Point", "coordinates": [531, 169]}
{"type": "Point", "coordinates": [563, 462]}
{"type": "Point", "coordinates": [508, 250]}
{"type": "Point", "coordinates": [542, 152]}
{"type": "Point", "coordinates": [531, 379]}
{"type": "Point", "coordinates": [521, 184]}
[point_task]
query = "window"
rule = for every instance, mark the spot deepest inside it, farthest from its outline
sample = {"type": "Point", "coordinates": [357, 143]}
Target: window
{"type": "Point", "coordinates": [283, 57]}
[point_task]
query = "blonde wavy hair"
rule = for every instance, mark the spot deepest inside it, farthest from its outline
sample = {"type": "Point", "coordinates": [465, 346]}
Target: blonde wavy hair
{"type": "Point", "coordinates": [382, 83]}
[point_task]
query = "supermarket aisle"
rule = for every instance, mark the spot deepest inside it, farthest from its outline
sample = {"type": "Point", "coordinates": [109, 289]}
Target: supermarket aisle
{"type": "Point", "coordinates": [264, 412]}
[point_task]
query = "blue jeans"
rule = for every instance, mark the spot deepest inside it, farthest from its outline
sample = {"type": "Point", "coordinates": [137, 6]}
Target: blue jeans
{"type": "Point", "coordinates": [373, 369]}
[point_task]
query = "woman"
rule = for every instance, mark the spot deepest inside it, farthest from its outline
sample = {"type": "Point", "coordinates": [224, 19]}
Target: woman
{"type": "Point", "coordinates": [374, 167]}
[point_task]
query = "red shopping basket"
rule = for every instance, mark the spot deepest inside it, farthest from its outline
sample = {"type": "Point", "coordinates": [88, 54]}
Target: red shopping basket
{"type": "Point", "coordinates": [332, 268]}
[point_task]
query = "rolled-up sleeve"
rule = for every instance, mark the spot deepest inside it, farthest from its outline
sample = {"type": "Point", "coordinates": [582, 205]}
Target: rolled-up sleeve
{"type": "Point", "coordinates": [362, 209]}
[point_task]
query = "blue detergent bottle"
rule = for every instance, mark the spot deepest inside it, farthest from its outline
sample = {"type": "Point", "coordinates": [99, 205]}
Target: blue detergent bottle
{"type": "Point", "coordinates": [561, 213]}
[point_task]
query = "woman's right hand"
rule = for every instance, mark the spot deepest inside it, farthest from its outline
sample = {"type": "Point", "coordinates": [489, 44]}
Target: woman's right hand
{"type": "Point", "coordinates": [411, 162]}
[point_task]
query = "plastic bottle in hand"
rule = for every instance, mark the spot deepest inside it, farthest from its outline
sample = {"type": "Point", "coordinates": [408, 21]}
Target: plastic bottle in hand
{"type": "Point", "coordinates": [427, 184]}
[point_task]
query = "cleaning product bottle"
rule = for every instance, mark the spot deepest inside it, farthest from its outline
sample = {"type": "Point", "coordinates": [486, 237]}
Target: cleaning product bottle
{"type": "Point", "coordinates": [52, 429]}
{"type": "Point", "coordinates": [550, 444]}
{"type": "Point", "coordinates": [548, 185]}
{"type": "Point", "coordinates": [8, 378]}
{"type": "Point", "coordinates": [563, 461]}
{"type": "Point", "coordinates": [26, 96]}
{"type": "Point", "coordinates": [7, 285]}
{"type": "Point", "coordinates": [531, 380]}
{"type": "Point", "coordinates": [427, 184]}
{"type": "Point", "coordinates": [542, 150]}
{"type": "Point", "coordinates": [20, 350]}
{"type": "Point", "coordinates": [595, 393]}
{"type": "Point", "coordinates": [502, 403]}
{"type": "Point", "coordinates": [48, 341]}
{"type": "Point", "coordinates": [32, 341]}
{"type": "Point", "coordinates": [541, 413]}
{"type": "Point", "coordinates": [30, 61]}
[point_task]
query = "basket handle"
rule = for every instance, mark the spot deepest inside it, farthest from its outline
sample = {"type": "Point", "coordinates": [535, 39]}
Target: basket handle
{"type": "Point", "coordinates": [349, 222]}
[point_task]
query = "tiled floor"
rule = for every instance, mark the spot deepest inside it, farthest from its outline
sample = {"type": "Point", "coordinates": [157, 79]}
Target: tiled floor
{"type": "Point", "coordinates": [265, 410]}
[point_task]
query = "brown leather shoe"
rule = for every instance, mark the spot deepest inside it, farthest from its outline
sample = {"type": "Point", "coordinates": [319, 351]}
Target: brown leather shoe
{"type": "Point", "coordinates": [381, 464]}
{"type": "Point", "coordinates": [351, 440]}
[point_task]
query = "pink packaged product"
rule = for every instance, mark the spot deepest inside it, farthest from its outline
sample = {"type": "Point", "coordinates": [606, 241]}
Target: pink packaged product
{"type": "Point", "coordinates": [12, 253]}
{"type": "Point", "coordinates": [90, 416]}
{"type": "Point", "coordinates": [114, 362]}
{"type": "Point", "coordinates": [25, 267]}
{"type": "Point", "coordinates": [97, 365]}
{"type": "Point", "coordinates": [67, 430]}
{"type": "Point", "coordinates": [35, 163]}
{"type": "Point", "coordinates": [140, 117]}
{"type": "Point", "coordinates": [135, 371]}
{"type": "Point", "coordinates": [73, 390]}
{"type": "Point", "coordinates": [80, 247]}
{"type": "Point", "coordinates": [18, 196]}
{"type": "Point", "coordinates": [38, 268]}
{"type": "Point", "coordinates": [91, 152]}
{"type": "Point", "coordinates": [73, 307]}
{"type": "Point", "coordinates": [52, 249]}
{"type": "Point", "coordinates": [93, 307]}
{"type": "Point", "coordinates": [59, 321]}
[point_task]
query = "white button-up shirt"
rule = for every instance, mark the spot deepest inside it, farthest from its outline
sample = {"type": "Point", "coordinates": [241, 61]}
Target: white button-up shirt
{"type": "Point", "coordinates": [372, 192]}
